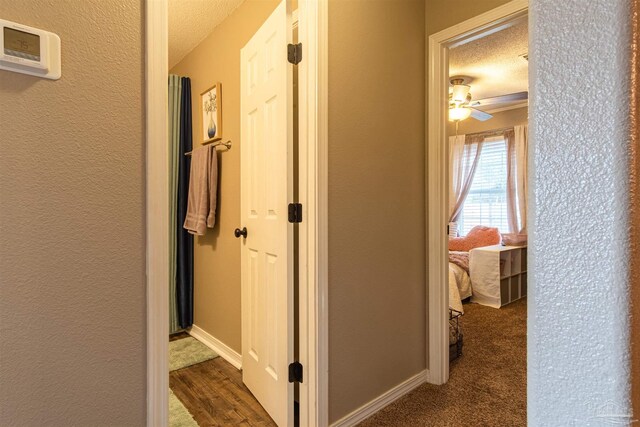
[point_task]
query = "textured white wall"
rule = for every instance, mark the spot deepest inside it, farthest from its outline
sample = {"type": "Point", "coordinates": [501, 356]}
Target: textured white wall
{"type": "Point", "coordinates": [578, 317]}
{"type": "Point", "coordinates": [72, 253]}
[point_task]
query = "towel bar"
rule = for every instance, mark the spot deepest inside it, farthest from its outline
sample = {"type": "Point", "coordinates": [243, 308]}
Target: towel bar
{"type": "Point", "coordinates": [215, 144]}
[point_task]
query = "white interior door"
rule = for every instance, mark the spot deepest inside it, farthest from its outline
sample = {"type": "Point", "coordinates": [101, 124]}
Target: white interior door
{"type": "Point", "coordinates": [267, 188]}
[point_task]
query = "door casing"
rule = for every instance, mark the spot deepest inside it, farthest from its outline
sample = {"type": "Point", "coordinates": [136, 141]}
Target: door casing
{"type": "Point", "coordinates": [438, 172]}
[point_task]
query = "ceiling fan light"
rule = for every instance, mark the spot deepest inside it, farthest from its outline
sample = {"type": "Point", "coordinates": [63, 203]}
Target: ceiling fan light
{"type": "Point", "coordinates": [457, 114]}
{"type": "Point", "coordinates": [459, 93]}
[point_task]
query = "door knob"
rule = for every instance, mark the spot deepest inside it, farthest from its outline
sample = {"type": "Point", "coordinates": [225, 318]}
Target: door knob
{"type": "Point", "coordinates": [242, 232]}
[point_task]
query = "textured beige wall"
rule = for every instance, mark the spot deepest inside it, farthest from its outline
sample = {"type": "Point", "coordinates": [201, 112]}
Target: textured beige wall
{"type": "Point", "coordinates": [72, 281]}
{"type": "Point", "coordinates": [376, 199]}
{"type": "Point", "coordinates": [502, 119]}
{"type": "Point", "coordinates": [217, 254]}
{"type": "Point", "coordinates": [377, 309]}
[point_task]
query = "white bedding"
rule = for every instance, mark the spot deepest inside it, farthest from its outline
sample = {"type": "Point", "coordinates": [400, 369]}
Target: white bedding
{"type": "Point", "coordinates": [459, 286]}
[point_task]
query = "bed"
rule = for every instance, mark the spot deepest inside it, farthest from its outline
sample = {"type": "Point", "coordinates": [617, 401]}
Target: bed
{"type": "Point", "coordinates": [459, 280]}
{"type": "Point", "coordinates": [459, 247]}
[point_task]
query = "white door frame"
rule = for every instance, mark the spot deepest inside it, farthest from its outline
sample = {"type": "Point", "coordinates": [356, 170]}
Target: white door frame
{"type": "Point", "coordinates": [438, 172]}
{"type": "Point", "coordinates": [313, 111]}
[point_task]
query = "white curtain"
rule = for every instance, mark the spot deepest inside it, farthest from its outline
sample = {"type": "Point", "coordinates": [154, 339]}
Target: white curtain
{"type": "Point", "coordinates": [464, 154]}
{"type": "Point", "coordinates": [517, 148]}
{"type": "Point", "coordinates": [521, 149]}
{"type": "Point", "coordinates": [456, 148]}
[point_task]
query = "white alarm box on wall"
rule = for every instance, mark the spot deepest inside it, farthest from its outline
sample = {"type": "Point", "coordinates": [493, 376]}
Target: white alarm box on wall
{"type": "Point", "coordinates": [28, 50]}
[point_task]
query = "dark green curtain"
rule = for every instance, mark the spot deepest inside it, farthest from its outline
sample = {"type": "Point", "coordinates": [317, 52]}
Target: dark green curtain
{"type": "Point", "coordinates": [175, 102]}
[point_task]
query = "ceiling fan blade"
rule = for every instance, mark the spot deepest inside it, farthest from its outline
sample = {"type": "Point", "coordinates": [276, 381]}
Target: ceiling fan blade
{"type": "Point", "coordinates": [511, 97]}
{"type": "Point", "coordinates": [480, 115]}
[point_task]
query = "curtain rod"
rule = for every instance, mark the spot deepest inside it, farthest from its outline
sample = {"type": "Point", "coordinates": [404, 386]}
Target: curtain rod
{"type": "Point", "coordinates": [493, 132]}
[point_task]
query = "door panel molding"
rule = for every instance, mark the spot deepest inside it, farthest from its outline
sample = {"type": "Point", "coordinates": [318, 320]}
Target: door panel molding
{"type": "Point", "coordinates": [266, 187]}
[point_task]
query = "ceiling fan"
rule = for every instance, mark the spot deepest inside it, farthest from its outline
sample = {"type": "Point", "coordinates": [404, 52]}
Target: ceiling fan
{"type": "Point", "coordinates": [461, 107]}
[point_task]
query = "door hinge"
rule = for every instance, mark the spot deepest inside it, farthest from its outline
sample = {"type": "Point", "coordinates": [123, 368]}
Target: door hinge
{"type": "Point", "coordinates": [295, 372]}
{"type": "Point", "coordinates": [294, 53]}
{"type": "Point", "coordinates": [295, 212]}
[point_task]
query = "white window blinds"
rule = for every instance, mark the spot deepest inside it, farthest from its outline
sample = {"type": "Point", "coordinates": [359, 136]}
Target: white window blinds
{"type": "Point", "coordinates": [486, 203]}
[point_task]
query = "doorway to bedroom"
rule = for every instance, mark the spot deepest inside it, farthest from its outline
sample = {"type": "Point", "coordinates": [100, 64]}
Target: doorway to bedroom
{"type": "Point", "coordinates": [487, 147]}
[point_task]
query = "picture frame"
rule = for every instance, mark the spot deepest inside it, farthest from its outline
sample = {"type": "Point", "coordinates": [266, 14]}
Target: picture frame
{"type": "Point", "coordinates": [211, 114]}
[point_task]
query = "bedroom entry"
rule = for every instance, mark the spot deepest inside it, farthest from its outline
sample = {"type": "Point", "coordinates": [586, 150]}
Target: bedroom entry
{"type": "Point", "coordinates": [477, 166]}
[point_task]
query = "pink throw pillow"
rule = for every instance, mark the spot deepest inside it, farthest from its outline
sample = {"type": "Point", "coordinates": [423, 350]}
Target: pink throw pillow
{"type": "Point", "coordinates": [477, 237]}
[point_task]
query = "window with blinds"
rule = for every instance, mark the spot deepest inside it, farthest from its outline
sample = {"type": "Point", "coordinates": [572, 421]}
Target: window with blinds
{"type": "Point", "coordinates": [486, 203]}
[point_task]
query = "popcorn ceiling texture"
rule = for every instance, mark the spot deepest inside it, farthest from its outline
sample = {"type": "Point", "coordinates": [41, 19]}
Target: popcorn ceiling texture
{"type": "Point", "coordinates": [578, 319]}
{"type": "Point", "coordinates": [493, 63]}
{"type": "Point", "coordinates": [72, 280]}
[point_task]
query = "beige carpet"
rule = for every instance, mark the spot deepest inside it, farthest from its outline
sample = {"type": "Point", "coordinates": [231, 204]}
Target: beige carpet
{"type": "Point", "coordinates": [188, 351]}
{"type": "Point", "coordinates": [487, 384]}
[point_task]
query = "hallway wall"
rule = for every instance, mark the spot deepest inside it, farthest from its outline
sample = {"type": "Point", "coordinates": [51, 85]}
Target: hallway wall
{"type": "Point", "coordinates": [217, 253]}
{"type": "Point", "coordinates": [377, 237]}
{"type": "Point", "coordinates": [72, 308]}
{"type": "Point", "coordinates": [578, 347]}
{"type": "Point", "coordinates": [376, 199]}
{"type": "Point", "coordinates": [634, 193]}
{"type": "Point", "coordinates": [72, 251]}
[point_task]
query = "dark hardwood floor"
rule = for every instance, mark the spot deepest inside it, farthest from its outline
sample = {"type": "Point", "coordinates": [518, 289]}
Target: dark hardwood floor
{"type": "Point", "coordinates": [214, 394]}
{"type": "Point", "coordinates": [178, 336]}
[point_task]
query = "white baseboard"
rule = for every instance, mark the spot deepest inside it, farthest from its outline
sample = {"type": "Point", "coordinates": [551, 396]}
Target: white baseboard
{"type": "Point", "coordinates": [429, 379]}
{"type": "Point", "coordinates": [381, 401]}
{"type": "Point", "coordinates": [226, 352]}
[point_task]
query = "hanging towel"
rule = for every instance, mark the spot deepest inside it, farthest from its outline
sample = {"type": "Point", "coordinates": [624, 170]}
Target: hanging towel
{"type": "Point", "coordinates": [203, 183]}
{"type": "Point", "coordinates": [213, 187]}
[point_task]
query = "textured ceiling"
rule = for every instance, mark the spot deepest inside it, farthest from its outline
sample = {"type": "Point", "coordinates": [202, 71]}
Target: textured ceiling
{"type": "Point", "coordinates": [493, 63]}
{"type": "Point", "coordinates": [191, 21]}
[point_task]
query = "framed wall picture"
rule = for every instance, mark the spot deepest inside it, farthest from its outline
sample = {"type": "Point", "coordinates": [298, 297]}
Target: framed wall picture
{"type": "Point", "coordinates": [211, 109]}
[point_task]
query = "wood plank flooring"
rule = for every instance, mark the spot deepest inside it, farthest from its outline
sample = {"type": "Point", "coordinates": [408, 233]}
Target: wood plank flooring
{"type": "Point", "coordinates": [178, 336]}
{"type": "Point", "coordinates": [214, 394]}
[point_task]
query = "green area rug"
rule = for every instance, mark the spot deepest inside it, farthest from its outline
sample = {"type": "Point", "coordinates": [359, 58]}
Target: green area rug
{"type": "Point", "coordinates": [183, 353]}
{"type": "Point", "coordinates": [178, 414]}
{"type": "Point", "coordinates": [188, 351]}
